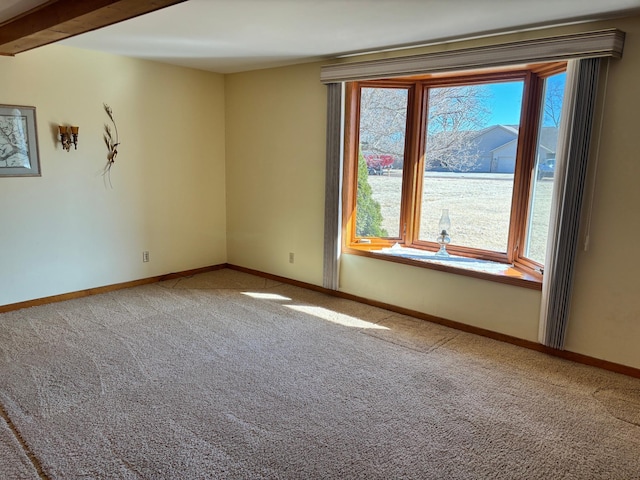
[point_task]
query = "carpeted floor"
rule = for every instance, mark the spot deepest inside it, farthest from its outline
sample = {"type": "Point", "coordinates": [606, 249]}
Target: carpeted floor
{"type": "Point", "coordinates": [227, 375]}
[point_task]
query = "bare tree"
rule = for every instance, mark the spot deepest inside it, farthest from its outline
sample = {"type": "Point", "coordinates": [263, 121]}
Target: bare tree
{"type": "Point", "coordinates": [455, 116]}
{"type": "Point", "coordinates": [383, 121]}
{"type": "Point", "coordinates": [554, 93]}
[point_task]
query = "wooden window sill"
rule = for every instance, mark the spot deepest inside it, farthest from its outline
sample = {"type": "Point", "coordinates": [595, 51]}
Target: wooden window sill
{"type": "Point", "coordinates": [470, 267]}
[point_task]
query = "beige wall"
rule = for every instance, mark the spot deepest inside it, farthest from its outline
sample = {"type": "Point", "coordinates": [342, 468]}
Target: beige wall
{"type": "Point", "coordinates": [68, 230]}
{"type": "Point", "coordinates": [275, 175]}
{"type": "Point", "coordinates": [275, 171]}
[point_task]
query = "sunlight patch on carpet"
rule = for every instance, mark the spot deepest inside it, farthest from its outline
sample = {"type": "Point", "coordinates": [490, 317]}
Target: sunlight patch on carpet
{"type": "Point", "coordinates": [335, 317]}
{"type": "Point", "coordinates": [266, 296]}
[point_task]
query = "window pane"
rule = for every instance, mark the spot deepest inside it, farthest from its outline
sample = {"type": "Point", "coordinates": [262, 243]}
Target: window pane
{"type": "Point", "coordinates": [544, 170]}
{"type": "Point", "coordinates": [471, 144]}
{"type": "Point", "coordinates": [383, 119]}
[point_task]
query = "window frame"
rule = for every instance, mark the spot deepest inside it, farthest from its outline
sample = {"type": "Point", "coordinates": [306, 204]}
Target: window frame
{"type": "Point", "coordinates": [524, 271]}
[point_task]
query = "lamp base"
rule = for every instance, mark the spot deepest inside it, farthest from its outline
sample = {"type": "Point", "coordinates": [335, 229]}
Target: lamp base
{"type": "Point", "coordinates": [443, 240]}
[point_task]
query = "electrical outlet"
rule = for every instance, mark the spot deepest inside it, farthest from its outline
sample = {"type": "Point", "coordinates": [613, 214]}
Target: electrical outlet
{"type": "Point", "coordinates": [145, 256]}
{"type": "Point", "coordinates": [291, 257]}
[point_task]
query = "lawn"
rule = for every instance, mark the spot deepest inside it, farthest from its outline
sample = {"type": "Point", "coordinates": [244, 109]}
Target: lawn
{"type": "Point", "coordinates": [479, 208]}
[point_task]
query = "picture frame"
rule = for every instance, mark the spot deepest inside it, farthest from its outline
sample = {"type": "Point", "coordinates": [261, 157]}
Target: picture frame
{"type": "Point", "coordinates": [19, 155]}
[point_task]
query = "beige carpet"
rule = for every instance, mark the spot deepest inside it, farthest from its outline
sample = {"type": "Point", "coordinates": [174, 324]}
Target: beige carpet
{"type": "Point", "coordinates": [226, 375]}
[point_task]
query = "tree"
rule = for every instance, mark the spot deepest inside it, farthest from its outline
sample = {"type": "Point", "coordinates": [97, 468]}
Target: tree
{"type": "Point", "coordinates": [383, 120]}
{"type": "Point", "coordinates": [554, 94]}
{"type": "Point", "coordinates": [456, 115]}
{"type": "Point", "coordinates": [368, 214]}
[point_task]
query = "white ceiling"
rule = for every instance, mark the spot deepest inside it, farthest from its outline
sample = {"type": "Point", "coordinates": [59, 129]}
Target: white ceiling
{"type": "Point", "coordinates": [228, 36]}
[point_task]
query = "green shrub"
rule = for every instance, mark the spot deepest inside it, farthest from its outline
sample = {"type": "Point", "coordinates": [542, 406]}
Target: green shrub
{"type": "Point", "coordinates": [368, 214]}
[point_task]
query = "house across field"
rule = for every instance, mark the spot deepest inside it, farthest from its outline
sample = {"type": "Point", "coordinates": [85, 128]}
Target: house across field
{"type": "Point", "coordinates": [496, 149]}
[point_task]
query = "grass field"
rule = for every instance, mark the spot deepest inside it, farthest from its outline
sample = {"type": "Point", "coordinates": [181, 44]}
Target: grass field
{"type": "Point", "coordinates": [479, 208]}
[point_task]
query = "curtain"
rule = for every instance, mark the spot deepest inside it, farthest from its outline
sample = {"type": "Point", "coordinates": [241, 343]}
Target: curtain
{"type": "Point", "coordinates": [571, 167]}
{"type": "Point", "coordinates": [333, 184]}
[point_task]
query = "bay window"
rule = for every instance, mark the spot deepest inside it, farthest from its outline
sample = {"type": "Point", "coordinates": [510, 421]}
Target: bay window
{"type": "Point", "coordinates": [480, 145]}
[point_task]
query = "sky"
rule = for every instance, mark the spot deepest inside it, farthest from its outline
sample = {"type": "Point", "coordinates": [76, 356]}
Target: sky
{"type": "Point", "coordinates": [507, 98]}
{"type": "Point", "coordinates": [506, 102]}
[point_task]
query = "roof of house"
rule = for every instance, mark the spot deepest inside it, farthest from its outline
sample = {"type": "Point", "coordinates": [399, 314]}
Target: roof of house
{"type": "Point", "coordinates": [548, 136]}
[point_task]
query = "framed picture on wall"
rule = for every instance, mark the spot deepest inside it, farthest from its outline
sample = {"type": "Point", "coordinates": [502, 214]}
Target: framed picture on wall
{"type": "Point", "coordinates": [18, 142]}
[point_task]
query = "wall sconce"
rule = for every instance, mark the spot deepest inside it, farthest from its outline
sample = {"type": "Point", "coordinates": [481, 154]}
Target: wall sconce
{"type": "Point", "coordinates": [68, 136]}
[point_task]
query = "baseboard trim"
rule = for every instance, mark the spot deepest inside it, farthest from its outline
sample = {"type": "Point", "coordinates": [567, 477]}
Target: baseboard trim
{"type": "Point", "coordinates": [567, 355]}
{"type": "Point", "coordinates": [107, 288]}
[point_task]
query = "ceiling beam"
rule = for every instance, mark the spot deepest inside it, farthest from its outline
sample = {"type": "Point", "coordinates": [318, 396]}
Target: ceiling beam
{"type": "Point", "coordinates": [59, 19]}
